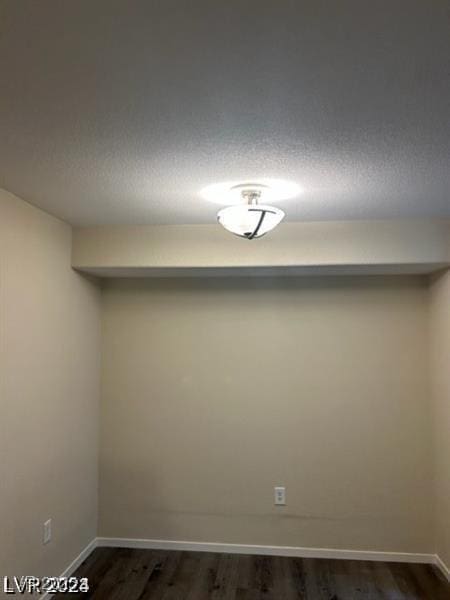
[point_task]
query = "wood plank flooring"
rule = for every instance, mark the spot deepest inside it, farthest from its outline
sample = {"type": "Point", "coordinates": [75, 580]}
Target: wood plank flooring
{"type": "Point", "coordinates": [129, 574]}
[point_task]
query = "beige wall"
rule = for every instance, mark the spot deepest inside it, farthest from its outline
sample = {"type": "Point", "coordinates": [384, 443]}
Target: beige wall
{"type": "Point", "coordinates": [374, 246]}
{"type": "Point", "coordinates": [440, 377]}
{"type": "Point", "coordinates": [216, 391]}
{"type": "Point", "coordinates": [49, 389]}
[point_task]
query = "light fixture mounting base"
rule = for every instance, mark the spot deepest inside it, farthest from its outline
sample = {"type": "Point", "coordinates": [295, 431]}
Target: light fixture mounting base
{"type": "Point", "coordinates": [250, 192]}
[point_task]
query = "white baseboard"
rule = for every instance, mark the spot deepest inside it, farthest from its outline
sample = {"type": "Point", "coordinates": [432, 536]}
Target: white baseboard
{"type": "Point", "coordinates": [268, 550]}
{"type": "Point", "coordinates": [75, 564]}
{"type": "Point", "coordinates": [443, 568]}
{"type": "Point", "coordinates": [296, 551]}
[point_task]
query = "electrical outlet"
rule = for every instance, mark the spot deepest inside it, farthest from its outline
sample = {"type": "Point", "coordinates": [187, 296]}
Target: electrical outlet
{"type": "Point", "coordinates": [280, 496]}
{"type": "Point", "coordinates": [47, 531]}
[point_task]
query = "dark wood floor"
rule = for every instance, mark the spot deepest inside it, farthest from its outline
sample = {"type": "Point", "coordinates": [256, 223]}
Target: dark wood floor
{"type": "Point", "coordinates": [124, 574]}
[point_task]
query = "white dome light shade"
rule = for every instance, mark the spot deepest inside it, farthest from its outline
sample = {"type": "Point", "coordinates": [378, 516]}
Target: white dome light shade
{"type": "Point", "coordinates": [250, 220]}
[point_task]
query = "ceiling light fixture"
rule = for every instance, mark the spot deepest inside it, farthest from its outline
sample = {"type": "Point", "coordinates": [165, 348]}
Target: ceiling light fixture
{"type": "Point", "coordinates": [250, 219]}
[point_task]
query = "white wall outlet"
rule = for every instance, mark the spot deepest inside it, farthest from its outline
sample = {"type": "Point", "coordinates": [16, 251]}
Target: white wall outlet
{"type": "Point", "coordinates": [280, 496]}
{"type": "Point", "coordinates": [47, 531]}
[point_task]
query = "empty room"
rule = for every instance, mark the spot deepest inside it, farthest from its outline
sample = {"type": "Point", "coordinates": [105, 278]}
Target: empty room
{"type": "Point", "coordinates": [225, 299]}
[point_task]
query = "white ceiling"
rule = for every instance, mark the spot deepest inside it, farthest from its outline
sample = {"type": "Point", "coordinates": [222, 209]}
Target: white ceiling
{"type": "Point", "coordinates": [116, 111]}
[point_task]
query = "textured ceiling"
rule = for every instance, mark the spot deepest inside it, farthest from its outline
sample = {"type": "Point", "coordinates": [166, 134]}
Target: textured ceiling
{"type": "Point", "coordinates": [121, 111]}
